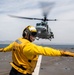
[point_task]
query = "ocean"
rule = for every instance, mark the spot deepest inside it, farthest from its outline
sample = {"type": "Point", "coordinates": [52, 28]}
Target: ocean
{"type": "Point", "coordinates": [54, 46]}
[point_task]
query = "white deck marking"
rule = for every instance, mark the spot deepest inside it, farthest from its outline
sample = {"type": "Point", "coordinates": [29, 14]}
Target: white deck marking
{"type": "Point", "coordinates": [36, 71]}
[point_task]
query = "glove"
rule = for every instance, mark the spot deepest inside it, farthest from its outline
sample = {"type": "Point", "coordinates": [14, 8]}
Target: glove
{"type": "Point", "coordinates": [1, 49]}
{"type": "Point", "coordinates": [67, 53]}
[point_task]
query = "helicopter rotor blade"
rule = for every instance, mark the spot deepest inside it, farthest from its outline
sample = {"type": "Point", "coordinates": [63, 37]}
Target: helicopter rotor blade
{"type": "Point", "coordinates": [32, 18]}
{"type": "Point", "coordinates": [46, 7]}
{"type": "Point", "coordinates": [25, 17]}
{"type": "Point", "coordinates": [52, 20]}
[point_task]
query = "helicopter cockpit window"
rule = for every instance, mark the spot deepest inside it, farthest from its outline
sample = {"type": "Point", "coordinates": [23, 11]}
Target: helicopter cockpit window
{"type": "Point", "coordinates": [44, 24]}
{"type": "Point", "coordinates": [38, 24]}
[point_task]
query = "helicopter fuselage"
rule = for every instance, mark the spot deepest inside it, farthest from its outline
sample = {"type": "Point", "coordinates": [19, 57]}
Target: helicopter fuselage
{"type": "Point", "coordinates": [43, 31]}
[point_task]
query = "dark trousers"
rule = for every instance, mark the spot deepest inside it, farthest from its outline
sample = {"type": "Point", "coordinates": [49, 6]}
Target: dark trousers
{"type": "Point", "coordinates": [15, 72]}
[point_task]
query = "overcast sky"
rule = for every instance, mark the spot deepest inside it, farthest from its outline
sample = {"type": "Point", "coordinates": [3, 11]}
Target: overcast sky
{"type": "Point", "coordinates": [11, 28]}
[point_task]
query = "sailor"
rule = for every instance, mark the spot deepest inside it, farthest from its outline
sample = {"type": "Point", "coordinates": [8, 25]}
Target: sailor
{"type": "Point", "coordinates": [25, 53]}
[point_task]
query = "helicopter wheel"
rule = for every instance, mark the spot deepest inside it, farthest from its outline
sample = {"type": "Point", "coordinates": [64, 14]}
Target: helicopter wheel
{"type": "Point", "coordinates": [50, 39]}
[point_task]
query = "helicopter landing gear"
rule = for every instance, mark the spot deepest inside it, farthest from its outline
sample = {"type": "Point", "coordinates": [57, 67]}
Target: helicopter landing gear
{"type": "Point", "coordinates": [50, 39]}
{"type": "Point", "coordinates": [52, 35]}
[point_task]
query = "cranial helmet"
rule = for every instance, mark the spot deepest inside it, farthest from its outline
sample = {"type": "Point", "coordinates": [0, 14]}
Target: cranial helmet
{"type": "Point", "coordinates": [29, 31]}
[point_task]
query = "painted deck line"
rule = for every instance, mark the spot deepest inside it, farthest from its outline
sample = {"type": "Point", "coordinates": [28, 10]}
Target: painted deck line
{"type": "Point", "coordinates": [36, 71]}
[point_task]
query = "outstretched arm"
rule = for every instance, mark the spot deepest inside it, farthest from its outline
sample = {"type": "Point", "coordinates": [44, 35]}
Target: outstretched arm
{"type": "Point", "coordinates": [47, 51]}
{"type": "Point", "coordinates": [8, 48]}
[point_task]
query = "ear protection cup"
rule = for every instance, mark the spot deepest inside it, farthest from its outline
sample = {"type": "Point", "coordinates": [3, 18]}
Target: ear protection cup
{"type": "Point", "coordinates": [26, 32]}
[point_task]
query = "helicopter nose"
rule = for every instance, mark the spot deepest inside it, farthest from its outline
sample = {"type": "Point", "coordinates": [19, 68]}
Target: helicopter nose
{"type": "Point", "coordinates": [39, 32]}
{"type": "Point", "coordinates": [44, 28]}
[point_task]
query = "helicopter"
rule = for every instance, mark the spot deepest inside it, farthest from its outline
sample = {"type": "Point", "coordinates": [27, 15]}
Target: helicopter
{"type": "Point", "coordinates": [43, 29]}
